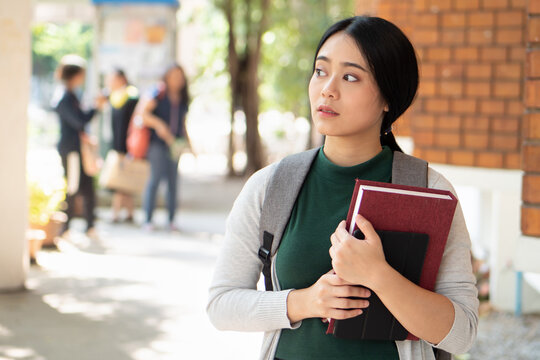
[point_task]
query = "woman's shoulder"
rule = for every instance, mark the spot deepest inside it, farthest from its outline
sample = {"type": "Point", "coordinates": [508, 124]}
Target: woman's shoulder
{"type": "Point", "coordinates": [436, 180]}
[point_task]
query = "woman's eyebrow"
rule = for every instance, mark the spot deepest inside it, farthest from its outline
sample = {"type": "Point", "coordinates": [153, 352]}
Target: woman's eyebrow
{"type": "Point", "coordinates": [345, 63]}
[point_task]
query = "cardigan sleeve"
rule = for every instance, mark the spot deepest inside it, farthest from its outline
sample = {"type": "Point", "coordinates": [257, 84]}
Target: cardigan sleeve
{"type": "Point", "coordinates": [234, 303]}
{"type": "Point", "coordinates": [456, 280]}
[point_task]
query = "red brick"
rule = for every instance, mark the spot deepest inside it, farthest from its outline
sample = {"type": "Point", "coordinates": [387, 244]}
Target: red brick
{"type": "Point", "coordinates": [509, 36]}
{"type": "Point", "coordinates": [466, 4]}
{"type": "Point", "coordinates": [453, 20]}
{"type": "Point", "coordinates": [531, 188]}
{"type": "Point", "coordinates": [427, 70]}
{"type": "Point", "coordinates": [510, 18]}
{"type": "Point", "coordinates": [463, 106]}
{"type": "Point", "coordinates": [480, 36]}
{"type": "Point", "coordinates": [530, 220]}
{"type": "Point", "coordinates": [518, 4]}
{"type": "Point", "coordinates": [423, 121]}
{"type": "Point", "coordinates": [478, 71]}
{"type": "Point", "coordinates": [480, 123]}
{"type": "Point", "coordinates": [508, 71]}
{"type": "Point", "coordinates": [466, 53]}
{"type": "Point", "coordinates": [423, 137]}
{"type": "Point", "coordinates": [448, 122]}
{"type": "Point", "coordinates": [439, 5]}
{"type": "Point", "coordinates": [533, 7]}
{"type": "Point", "coordinates": [427, 88]}
{"type": "Point", "coordinates": [460, 157]}
{"type": "Point", "coordinates": [507, 90]}
{"type": "Point", "coordinates": [515, 107]}
{"type": "Point", "coordinates": [453, 36]}
{"type": "Point", "coordinates": [534, 30]}
{"type": "Point", "coordinates": [532, 126]}
{"type": "Point", "coordinates": [489, 159]}
{"type": "Point", "coordinates": [438, 54]}
{"type": "Point", "coordinates": [436, 105]}
{"type": "Point", "coordinates": [425, 20]}
{"type": "Point", "coordinates": [484, 18]}
{"type": "Point", "coordinates": [532, 93]}
{"type": "Point", "coordinates": [495, 107]}
{"type": "Point", "coordinates": [494, 53]}
{"type": "Point", "coordinates": [504, 142]}
{"type": "Point", "coordinates": [533, 63]}
{"type": "Point", "coordinates": [478, 89]}
{"type": "Point", "coordinates": [421, 5]}
{"type": "Point", "coordinates": [505, 124]}
{"type": "Point", "coordinates": [426, 37]}
{"type": "Point", "coordinates": [494, 4]}
{"type": "Point", "coordinates": [451, 88]}
{"type": "Point", "coordinates": [447, 139]}
{"type": "Point", "coordinates": [517, 54]}
{"type": "Point", "coordinates": [531, 157]}
{"type": "Point", "coordinates": [435, 155]}
{"type": "Point", "coordinates": [476, 140]}
{"type": "Point", "coordinates": [451, 71]}
{"type": "Point", "coordinates": [512, 160]}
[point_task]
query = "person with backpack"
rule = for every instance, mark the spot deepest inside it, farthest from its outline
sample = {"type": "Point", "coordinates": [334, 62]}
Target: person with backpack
{"type": "Point", "coordinates": [287, 221]}
{"type": "Point", "coordinates": [165, 115]}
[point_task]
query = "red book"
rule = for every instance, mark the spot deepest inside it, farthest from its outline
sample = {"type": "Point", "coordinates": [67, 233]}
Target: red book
{"type": "Point", "coordinates": [393, 207]}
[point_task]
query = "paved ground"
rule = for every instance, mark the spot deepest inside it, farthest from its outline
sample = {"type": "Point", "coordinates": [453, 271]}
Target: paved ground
{"type": "Point", "coordinates": [137, 296]}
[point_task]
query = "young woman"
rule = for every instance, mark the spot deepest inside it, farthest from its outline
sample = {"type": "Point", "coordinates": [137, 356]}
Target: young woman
{"type": "Point", "coordinates": [165, 115]}
{"type": "Point", "coordinates": [365, 76]}
{"type": "Point", "coordinates": [72, 123]}
{"type": "Point", "coordinates": [123, 99]}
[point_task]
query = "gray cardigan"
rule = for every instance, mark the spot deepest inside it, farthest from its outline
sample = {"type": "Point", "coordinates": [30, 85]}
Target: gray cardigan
{"type": "Point", "coordinates": [234, 303]}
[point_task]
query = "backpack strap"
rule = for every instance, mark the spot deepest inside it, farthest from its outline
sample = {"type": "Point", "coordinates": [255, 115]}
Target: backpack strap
{"type": "Point", "coordinates": [409, 170]}
{"type": "Point", "coordinates": [281, 193]}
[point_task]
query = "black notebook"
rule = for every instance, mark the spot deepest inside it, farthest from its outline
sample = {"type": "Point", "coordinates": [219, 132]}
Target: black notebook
{"type": "Point", "coordinates": [405, 252]}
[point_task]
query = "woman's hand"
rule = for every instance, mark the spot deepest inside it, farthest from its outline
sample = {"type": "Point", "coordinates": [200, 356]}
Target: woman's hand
{"type": "Point", "coordinates": [163, 132]}
{"type": "Point", "coordinates": [357, 261]}
{"type": "Point", "coordinates": [327, 298]}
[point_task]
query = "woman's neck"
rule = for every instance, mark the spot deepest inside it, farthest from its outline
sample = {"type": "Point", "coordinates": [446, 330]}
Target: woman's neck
{"type": "Point", "coordinates": [351, 150]}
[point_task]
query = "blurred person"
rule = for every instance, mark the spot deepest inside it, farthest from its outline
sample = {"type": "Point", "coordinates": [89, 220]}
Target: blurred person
{"type": "Point", "coordinates": [123, 99]}
{"type": "Point", "coordinates": [165, 115]}
{"type": "Point", "coordinates": [71, 73]}
{"type": "Point", "coordinates": [364, 77]}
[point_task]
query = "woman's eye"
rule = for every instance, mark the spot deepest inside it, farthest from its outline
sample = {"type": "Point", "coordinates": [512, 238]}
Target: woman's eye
{"type": "Point", "coordinates": [319, 72]}
{"type": "Point", "coordinates": [350, 78]}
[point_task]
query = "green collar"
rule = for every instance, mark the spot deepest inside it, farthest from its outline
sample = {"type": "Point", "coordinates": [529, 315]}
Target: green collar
{"type": "Point", "coordinates": [378, 167]}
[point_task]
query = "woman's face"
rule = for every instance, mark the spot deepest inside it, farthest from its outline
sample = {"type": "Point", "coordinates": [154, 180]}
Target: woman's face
{"type": "Point", "coordinates": [174, 79]}
{"type": "Point", "coordinates": [115, 82]}
{"type": "Point", "coordinates": [345, 99]}
{"type": "Point", "coordinates": [77, 81]}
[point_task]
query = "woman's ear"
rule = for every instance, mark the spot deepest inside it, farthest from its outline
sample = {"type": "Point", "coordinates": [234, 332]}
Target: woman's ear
{"type": "Point", "coordinates": [385, 108]}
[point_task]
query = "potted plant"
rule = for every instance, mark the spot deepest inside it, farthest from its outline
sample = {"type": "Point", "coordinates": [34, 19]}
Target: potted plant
{"type": "Point", "coordinates": [45, 201]}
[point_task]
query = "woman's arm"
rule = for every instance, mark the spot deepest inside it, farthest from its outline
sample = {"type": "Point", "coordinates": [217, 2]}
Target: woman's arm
{"type": "Point", "coordinates": [74, 116]}
{"type": "Point", "coordinates": [234, 303]}
{"type": "Point", "coordinates": [446, 318]}
{"type": "Point", "coordinates": [152, 121]}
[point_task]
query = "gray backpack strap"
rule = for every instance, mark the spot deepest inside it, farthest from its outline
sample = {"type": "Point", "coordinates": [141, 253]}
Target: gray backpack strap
{"type": "Point", "coordinates": [409, 170]}
{"type": "Point", "coordinates": [281, 193]}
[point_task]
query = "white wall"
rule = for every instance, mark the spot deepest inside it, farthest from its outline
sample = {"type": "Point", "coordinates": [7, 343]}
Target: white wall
{"type": "Point", "coordinates": [15, 70]}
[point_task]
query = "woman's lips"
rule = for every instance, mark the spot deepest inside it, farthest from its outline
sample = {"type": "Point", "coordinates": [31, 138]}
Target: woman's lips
{"type": "Point", "coordinates": [326, 111]}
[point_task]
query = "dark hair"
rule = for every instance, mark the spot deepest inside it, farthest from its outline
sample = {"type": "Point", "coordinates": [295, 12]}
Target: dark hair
{"type": "Point", "coordinates": [121, 74]}
{"type": "Point", "coordinates": [184, 93]}
{"type": "Point", "coordinates": [392, 60]}
{"type": "Point", "coordinates": [69, 71]}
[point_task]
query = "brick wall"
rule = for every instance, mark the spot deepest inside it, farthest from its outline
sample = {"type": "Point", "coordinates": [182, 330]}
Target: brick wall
{"type": "Point", "coordinates": [469, 110]}
{"type": "Point", "coordinates": [530, 210]}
